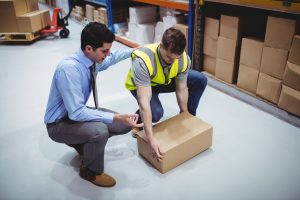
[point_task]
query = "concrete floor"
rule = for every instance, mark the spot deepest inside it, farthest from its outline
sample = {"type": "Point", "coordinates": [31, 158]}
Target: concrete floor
{"type": "Point", "coordinates": [254, 154]}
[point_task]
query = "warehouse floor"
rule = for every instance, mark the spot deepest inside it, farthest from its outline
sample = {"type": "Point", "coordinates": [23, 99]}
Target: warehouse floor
{"type": "Point", "coordinates": [254, 154]}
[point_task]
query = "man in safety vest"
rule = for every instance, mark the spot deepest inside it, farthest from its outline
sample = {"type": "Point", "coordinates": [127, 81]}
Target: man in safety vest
{"type": "Point", "coordinates": [162, 68]}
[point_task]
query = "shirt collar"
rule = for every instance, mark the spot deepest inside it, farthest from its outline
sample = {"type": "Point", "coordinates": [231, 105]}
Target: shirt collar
{"type": "Point", "coordinates": [83, 58]}
{"type": "Point", "coordinates": [163, 63]}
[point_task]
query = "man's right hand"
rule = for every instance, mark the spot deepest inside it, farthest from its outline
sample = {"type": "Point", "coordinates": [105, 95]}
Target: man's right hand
{"type": "Point", "coordinates": [154, 149]}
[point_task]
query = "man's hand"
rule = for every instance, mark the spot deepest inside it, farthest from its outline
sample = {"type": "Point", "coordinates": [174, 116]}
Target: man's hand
{"type": "Point", "coordinates": [154, 148]}
{"type": "Point", "coordinates": [129, 119]}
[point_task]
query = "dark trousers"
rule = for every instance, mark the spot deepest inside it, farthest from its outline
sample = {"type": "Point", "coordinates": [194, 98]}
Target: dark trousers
{"type": "Point", "coordinates": [92, 135]}
{"type": "Point", "coordinates": [196, 83]}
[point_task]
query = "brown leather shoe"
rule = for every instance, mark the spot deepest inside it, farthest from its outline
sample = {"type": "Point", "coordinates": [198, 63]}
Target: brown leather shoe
{"type": "Point", "coordinates": [103, 179]}
{"type": "Point", "coordinates": [134, 132]}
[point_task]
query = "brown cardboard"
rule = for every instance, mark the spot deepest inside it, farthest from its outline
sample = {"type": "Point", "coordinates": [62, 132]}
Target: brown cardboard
{"type": "Point", "coordinates": [279, 32]}
{"type": "Point", "coordinates": [290, 100]}
{"type": "Point", "coordinates": [185, 30]}
{"type": "Point", "coordinates": [227, 49]}
{"type": "Point", "coordinates": [32, 5]}
{"type": "Point", "coordinates": [225, 70]}
{"type": "Point", "coordinates": [212, 27]}
{"type": "Point", "coordinates": [230, 27]}
{"type": "Point", "coordinates": [209, 64]}
{"type": "Point", "coordinates": [210, 46]}
{"type": "Point", "coordinates": [273, 61]}
{"type": "Point", "coordinates": [268, 87]}
{"type": "Point", "coordinates": [8, 18]}
{"type": "Point", "coordinates": [291, 76]}
{"type": "Point", "coordinates": [294, 55]}
{"type": "Point", "coordinates": [89, 12]}
{"type": "Point", "coordinates": [247, 78]}
{"type": "Point", "coordinates": [33, 21]}
{"type": "Point", "coordinates": [251, 52]}
{"type": "Point", "coordinates": [180, 137]}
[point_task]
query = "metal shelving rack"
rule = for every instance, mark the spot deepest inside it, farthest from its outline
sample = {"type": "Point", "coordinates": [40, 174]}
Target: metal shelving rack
{"type": "Point", "coordinates": [284, 6]}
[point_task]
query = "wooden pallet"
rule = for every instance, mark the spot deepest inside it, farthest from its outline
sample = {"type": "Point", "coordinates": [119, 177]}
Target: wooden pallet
{"type": "Point", "coordinates": [11, 37]}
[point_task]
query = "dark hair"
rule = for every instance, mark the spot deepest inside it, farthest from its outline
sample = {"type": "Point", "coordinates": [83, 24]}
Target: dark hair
{"type": "Point", "coordinates": [95, 34]}
{"type": "Point", "coordinates": [174, 40]}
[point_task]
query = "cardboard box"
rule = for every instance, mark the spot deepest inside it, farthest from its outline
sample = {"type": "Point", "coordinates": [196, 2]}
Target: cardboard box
{"type": "Point", "coordinates": [180, 137]}
{"type": "Point", "coordinates": [210, 46]}
{"type": "Point", "coordinates": [226, 70]}
{"type": "Point", "coordinates": [273, 61]}
{"type": "Point", "coordinates": [8, 18]}
{"type": "Point", "coordinates": [185, 30]}
{"type": "Point", "coordinates": [209, 64]}
{"type": "Point", "coordinates": [33, 21]}
{"type": "Point", "coordinates": [142, 14]}
{"type": "Point", "coordinates": [212, 27]}
{"type": "Point", "coordinates": [279, 32]}
{"type": "Point", "coordinates": [89, 12]}
{"type": "Point", "coordinates": [291, 76]}
{"type": "Point", "coordinates": [247, 78]}
{"type": "Point", "coordinates": [251, 52]}
{"type": "Point", "coordinates": [290, 100]}
{"type": "Point", "coordinates": [230, 27]}
{"type": "Point", "coordinates": [227, 49]}
{"type": "Point", "coordinates": [295, 51]}
{"type": "Point", "coordinates": [268, 87]}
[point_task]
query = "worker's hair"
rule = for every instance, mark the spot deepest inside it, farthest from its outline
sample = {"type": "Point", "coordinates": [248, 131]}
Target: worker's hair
{"type": "Point", "coordinates": [174, 41]}
{"type": "Point", "coordinates": [95, 34]}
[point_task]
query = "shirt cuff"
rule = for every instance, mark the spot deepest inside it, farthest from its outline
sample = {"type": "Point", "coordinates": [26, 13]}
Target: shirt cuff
{"type": "Point", "coordinates": [108, 117]}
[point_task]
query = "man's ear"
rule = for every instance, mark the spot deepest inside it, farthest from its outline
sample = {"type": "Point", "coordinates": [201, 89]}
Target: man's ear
{"type": "Point", "coordinates": [88, 48]}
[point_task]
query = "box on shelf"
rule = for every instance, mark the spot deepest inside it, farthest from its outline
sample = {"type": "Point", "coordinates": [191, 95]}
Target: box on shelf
{"type": "Point", "coordinates": [251, 52]}
{"type": "Point", "coordinates": [142, 14]}
{"type": "Point", "coordinates": [212, 27]}
{"type": "Point", "coordinates": [209, 64]}
{"type": "Point", "coordinates": [290, 100]}
{"type": "Point", "coordinates": [141, 33]}
{"type": "Point", "coordinates": [291, 77]}
{"type": "Point", "coordinates": [268, 87]}
{"type": "Point", "coordinates": [89, 12]}
{"type": "Point", "coordinates": [227, 49]}
{"type": "Point", "coordinates": [273, 61]}
{"type": "Point", "coordinates": [180, 137]}
{"type": "Point", "coordinates": [295, 51]}
{"type": "Point", "coordinates": [226, 70]}
{"type": "Point", "coordinates": [210, 46]}
{"type": "Point", "coordinates": [279, 32]}
{"type": "Point", "coordinates": [230, 27]}
{"type": "Point", "coordinates": [247, 78]}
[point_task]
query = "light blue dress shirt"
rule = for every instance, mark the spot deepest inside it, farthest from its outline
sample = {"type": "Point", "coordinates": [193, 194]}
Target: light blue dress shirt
{"type": "Point", "coordinates": [71, 88]}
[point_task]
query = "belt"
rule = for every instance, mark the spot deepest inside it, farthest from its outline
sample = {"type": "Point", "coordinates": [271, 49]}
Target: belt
{"type": "Point", "coordinates": [56, 121]}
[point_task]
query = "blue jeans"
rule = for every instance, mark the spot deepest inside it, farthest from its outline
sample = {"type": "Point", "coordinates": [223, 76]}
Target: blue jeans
{"type": "Point", "coordinates": [196, 83]}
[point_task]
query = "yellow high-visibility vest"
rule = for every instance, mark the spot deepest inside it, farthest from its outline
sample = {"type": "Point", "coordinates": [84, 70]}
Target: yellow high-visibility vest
{"type": "Point", "coordinates": [149, 55]}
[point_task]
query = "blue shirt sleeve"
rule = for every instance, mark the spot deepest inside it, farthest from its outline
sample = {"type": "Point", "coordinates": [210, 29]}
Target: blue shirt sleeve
{"type": "Point", "coordinates": [114, 58]}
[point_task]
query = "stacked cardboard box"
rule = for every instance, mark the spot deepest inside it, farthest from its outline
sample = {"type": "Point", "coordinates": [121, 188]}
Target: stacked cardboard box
{"type": "Point", "coordinates": [250, 60]}
{"type": "Point", "coordinates": [77, 13]}
{"type": "Point", "coordinates": [290, 94]}
{"type": "Point", "coordinates": [141, 26]}
{"type": "Point", "coordinates": [278, 39]}
{"type": "Point", "coordinates": [180, 137]}
{"type": "Point", "coordinates": [211, 34]}
{"type": "Point", "coordinates": [18, 16]}
{"type": "Point", "coordinates": [100, 15]}
{"type": "Point", "coordinates": [228, 48]}
{"type": "Point", "coordinates": [89, 12]}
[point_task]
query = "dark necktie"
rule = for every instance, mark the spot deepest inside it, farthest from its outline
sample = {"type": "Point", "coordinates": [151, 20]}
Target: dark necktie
{"type": "Point", "coordinates": [94, 85]}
